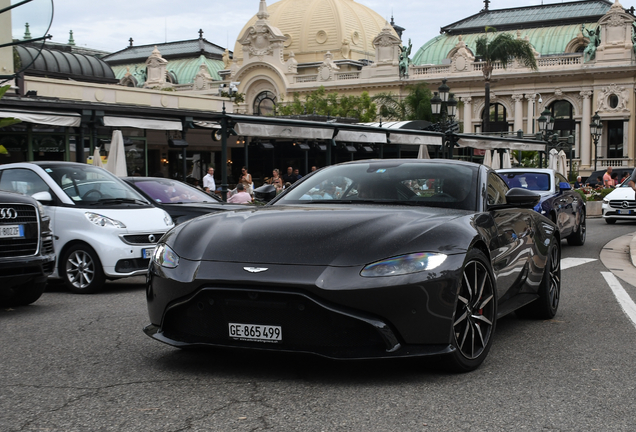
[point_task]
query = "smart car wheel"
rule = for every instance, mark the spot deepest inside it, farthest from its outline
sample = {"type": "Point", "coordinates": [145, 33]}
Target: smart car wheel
{"type": "Point", "coordinates": [545, 307]}
{"type": "Point", "coordinates": [475, 314]}
{"type": "Point", "coordinates": [82, 270]}
{"type": "Point", "coordinates": [577, 238]}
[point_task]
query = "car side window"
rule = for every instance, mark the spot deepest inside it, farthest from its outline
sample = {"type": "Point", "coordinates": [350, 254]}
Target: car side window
{"type": "Point", "coordinates": [22, 181]}
{"type": "Point", "coordinates": [496, 190]}
{"type": "Point", "coordinates": [561, 179]}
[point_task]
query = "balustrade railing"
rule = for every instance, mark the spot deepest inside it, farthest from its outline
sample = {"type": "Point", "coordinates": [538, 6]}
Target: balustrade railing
{"type": "Point", "coordinates": [306, 78]}
{"type": "Point", "coordinates": [347, 76]}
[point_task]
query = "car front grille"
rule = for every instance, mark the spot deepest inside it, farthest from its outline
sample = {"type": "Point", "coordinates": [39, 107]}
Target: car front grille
{"type": "Point", "coordinates": [27, 245]}
{"type": "Point", "coordinates": [623, 204]}
{"type": "Point", "coordinates": [306, 325]}
{"type": "Point", "coordinates": [142, 239]}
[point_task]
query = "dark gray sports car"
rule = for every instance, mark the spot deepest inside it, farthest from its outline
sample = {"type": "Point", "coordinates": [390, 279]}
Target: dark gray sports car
{"type": "Point", "coordinates": [367, 259]}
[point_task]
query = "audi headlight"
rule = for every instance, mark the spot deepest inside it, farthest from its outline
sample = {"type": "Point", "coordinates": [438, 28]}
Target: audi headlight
{"type": "Point", "coordinates": [164, 256]}
{"type": "Point", "coordinates": [405, 264]}
{"type": "Point", "coordinates": [101, 220]}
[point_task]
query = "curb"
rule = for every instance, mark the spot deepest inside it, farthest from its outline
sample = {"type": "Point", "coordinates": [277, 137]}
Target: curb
{"type": "Point", "coordinates": [632, 250]}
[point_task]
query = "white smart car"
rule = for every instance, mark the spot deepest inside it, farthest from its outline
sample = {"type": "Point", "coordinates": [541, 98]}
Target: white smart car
{"type": "Point", "coordinates": [103, 228]}
{"type": "Point", "coordinates": [620, 204]}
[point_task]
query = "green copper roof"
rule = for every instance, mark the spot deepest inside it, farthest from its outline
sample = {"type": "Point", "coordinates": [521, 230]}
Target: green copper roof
{"type": "Point", "coordinates": [184, 69]}
{"type": "Point", "coordinates": [546, 40]}
{"type": "Point", "coordinates": [531, 16]}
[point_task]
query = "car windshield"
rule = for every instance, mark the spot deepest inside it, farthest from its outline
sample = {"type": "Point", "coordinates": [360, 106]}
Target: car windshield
{"type": "Point", "coordinates": [527, 180]}
{"type": "Point", "coordinates": [172, 191]}
{"type": "Point", "coordinates": [91, 185]}
{"type": "Point", "coordinates": [431, 184]}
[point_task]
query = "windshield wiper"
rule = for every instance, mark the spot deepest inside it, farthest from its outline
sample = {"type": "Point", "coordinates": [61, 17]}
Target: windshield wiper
{"type": "Point", "coordinates": [120, 201]}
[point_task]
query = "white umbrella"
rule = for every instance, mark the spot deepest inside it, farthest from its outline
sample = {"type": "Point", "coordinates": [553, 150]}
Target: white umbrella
{"type": "Point", "coordinates": [562, 164]}
{"type": "Point", "coordinates": [487, 159]}
{"type": "Point", "coordinates": [495, 160]}
{"type": "Point", "coordinates": [423, 153]}
{"type": "Point", "coordinates": [97, 159]}
{"type": "Point", "coordinates": [117, 156]}
{"type": "Point", "coordinates": [506, 160]}
{"type": "Point", "coordinates": [553, 160]}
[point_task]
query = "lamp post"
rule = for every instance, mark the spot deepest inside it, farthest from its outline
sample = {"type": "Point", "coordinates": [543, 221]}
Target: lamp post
{"type": "Point", "coordinates": [444, 105]}
{"type": "Point", "coordinates": [596, 129]}
{"type": "Point", "coordinates": [546, 126]}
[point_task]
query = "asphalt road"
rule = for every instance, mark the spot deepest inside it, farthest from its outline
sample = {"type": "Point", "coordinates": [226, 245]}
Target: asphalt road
{"type": "Point", "coordinates": [81, 363]}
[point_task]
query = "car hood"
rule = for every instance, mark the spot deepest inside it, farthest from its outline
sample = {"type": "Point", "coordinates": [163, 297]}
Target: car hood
{"type": "Point", "coordinates": [622, 193]}
{"type": "Point", "coordinates": [339, 236]}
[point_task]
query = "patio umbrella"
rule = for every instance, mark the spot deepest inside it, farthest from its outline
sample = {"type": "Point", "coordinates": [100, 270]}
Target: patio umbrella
{"type": "Point", "coordinates": [495, 160]}
{"type": "Point", "coordinates": [117, 156]}
{"type": "Point", "coordinates": [553, 160]}
{"type": "Point", "coordinates": [97, 159]}
{"type": "Point", "coordinates": [562, 164]}
{"type": "Point", "coordinates": [423, 153]}
{"type": "Point", "coordinates": [506, 160]}
{"type": "Point", "coordinates": [487, 159]}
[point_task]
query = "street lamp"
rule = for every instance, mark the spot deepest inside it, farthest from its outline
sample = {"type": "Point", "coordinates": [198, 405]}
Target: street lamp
{"type": "Point", "coordinates": [546, 126]}
{"type": "Point", "coordinates": [444, 105]}
{"type": "Point", "coordinates": [596, 129]}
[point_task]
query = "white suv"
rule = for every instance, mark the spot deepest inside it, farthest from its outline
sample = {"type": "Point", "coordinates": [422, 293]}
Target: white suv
{"type": "Point", "coordinates": [103, 228]}
{"type": "Point", "coordinates": [619, 204]}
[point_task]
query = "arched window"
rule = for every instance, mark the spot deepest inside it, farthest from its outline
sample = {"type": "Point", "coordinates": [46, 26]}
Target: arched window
{"type": "Point", "coordinates": [562, 112]}
{"type": "Point", "coordinates": [498, 122]}
{"type": "Point", "coordinates": [265, 104]}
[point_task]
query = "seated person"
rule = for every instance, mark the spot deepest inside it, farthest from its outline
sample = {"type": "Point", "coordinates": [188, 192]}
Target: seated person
{"type": "Point", "coordinates": [240, 197]}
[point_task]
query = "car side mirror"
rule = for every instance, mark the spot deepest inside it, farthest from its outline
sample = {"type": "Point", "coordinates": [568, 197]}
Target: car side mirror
{"type": "Point", "coordinates": [43, 197]}
{"type": "Point", "coordinates": [564, 186]}
{"type": "Point", "coordinates": [523, 198]}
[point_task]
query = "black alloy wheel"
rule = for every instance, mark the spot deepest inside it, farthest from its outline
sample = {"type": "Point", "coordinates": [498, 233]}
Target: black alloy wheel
{"type": "Point", "coordinates": [545, 307]}
{"type": "Point", "coordinates": [475, 314]}
{"type": "Point", "coordinates": [577, 238]}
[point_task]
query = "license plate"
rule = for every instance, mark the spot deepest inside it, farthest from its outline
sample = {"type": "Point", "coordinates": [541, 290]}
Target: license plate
{"type": "Point", "coordinates": [12, 231]}
{"type": "Point", "coordinates": [147, 253]}
{"type": "Point", "coordinates": [259, 333]}
{"type": "Point", "coordinates": [626, 212]}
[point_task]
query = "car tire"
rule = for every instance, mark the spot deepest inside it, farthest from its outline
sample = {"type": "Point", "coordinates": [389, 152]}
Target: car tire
{"type": "Point", "coordinates": [577, 238]}
{"type": "Point", "coordinates": [81, 270]}
{"type": "Point", "coordinates": [26, 293]}
{"type": "Point", "coordinates": [475, 315]}
{"type": "Point", "coordinates": [610, 221]}
{"type": "Point", "coordinates": [545, 307]}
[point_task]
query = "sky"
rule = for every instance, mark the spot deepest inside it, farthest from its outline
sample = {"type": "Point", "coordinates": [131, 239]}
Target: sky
{"type": "Point", "coordinates": [108, 25]}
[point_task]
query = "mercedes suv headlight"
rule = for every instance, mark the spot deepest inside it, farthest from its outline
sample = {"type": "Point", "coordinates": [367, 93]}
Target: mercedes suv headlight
{"type": "Point", "coordinates": [405, 264]}
{"type": "Point", "coordinates": [101, 220]}
{"type": "Point", "coordinates": [164, 256]}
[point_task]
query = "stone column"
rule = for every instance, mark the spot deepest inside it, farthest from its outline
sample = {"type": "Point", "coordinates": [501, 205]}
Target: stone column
{"type": "Point", "coordinates": [468, 114]}
{"type": "Point", "coordinates": [531, 97]}
{"type": "Point", "coordinates": [518, 124]}
{"type": "Point", "coordinates": [586, 144]}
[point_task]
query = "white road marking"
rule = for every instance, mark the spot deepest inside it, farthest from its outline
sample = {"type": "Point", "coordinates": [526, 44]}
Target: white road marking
{"type": "Point", "coordinates": [566, 263]}
{"type": "Point", "coordinates": [626, 302]}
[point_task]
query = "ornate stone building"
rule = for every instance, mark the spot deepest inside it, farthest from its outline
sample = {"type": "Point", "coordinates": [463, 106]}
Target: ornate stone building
{"type": "Point", "coordinates": [295, 46]}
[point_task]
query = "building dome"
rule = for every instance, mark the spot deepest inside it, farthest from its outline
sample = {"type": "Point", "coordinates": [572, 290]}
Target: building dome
{"type": "Point", "coordinates": [313, 27]}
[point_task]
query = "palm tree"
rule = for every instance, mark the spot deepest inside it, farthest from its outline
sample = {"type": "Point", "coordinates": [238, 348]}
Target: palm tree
{"type": "Point", "coordinates": [501, 48]}
{"type": "Point", "coordinates": [416, 105]}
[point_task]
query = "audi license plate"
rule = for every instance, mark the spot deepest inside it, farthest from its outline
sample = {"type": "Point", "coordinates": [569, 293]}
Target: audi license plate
{"type": "Point", "coordinates": [12, 231]}
{"type": "Point", "coordinates": [147, 253]}
{"type": "Point", "coordinates": [259, 333]}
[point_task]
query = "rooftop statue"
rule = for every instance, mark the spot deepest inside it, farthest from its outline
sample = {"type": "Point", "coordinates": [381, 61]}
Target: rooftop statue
{"type": "Point", "coordinates": [595, 39]}
{"type": "Point", "coordinates": [405, 60]}
{"type": "Point", "coordinates": [634, 37]}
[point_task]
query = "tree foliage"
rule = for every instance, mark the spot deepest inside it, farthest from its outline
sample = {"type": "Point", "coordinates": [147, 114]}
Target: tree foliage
{"type": "Point", "coordinates": [502, 48]}
{"type": "Point", "coordinates": [320, 102]}
{"type": "Point", "coordinates": [416, 105]}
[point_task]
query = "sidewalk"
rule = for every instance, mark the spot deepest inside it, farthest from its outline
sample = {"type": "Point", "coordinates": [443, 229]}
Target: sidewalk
{"type": "Point", "coordinates": [619, 256]}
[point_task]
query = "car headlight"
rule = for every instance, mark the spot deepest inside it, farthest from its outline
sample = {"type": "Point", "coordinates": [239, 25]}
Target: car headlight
{"type": "Point", "coordinates": [405, 264]}
{"type": "Point", "coordinates": [100, 220]}
{"type": "Point", "coordinates": [605, 201]}
{"type": "Point", "coordinates": [164, 256]}
{"type": "Point", "coordinates": [167, 219]}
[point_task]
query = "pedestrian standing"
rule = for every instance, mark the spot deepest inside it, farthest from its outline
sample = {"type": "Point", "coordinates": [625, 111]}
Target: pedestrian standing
{"type": "Point", "coordinates": [208, 181]}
